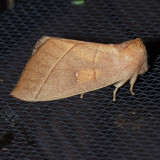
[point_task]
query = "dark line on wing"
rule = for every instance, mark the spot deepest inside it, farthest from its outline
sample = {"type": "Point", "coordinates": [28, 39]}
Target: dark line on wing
{"type": "Point", "coordinates": [54, 68]}
{"type": "Point", "coordinates": [94, 61]}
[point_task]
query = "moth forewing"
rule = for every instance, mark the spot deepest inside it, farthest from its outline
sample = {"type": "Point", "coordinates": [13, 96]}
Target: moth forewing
{"type": "Point", "coordinates": [60, 68]}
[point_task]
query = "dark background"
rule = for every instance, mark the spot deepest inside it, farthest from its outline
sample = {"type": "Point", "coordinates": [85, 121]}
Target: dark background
{"type": "Point", "coordinates": [92, 128]}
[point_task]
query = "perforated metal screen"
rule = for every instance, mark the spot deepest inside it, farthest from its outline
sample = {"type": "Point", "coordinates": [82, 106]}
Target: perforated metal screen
{"type": "Point", "coordinates": [92, 128]}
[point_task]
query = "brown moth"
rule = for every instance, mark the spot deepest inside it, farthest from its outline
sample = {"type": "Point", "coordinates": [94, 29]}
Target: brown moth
{"type": "Point", "coordinates": [60, 68]}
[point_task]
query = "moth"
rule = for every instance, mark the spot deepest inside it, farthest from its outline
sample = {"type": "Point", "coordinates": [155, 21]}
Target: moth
{"type": "Point", "coordinates": [60, 68]}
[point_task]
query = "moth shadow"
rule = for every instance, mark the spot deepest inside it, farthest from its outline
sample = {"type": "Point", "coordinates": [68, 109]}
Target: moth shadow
{"type": "Point", "coordinates": [153, 51]}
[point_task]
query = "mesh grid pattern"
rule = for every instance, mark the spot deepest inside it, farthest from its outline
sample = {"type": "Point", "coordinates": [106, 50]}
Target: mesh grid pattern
{"type": "Point", "coordinates": [93, 127]}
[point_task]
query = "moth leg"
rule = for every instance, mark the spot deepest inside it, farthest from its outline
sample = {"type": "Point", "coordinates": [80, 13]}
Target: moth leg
{"type": "Point", "coordinates": [132, 82]}
{"type": "Point", "coordinates": [81, 95]}
{"type": "Point", "coordinates": [118, 85]}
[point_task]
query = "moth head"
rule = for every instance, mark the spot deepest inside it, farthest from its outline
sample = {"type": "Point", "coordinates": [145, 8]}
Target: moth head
{"type": "Point", "coordinates": [144, 67]}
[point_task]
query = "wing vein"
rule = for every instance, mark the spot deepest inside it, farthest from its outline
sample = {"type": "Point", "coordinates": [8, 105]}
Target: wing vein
{"type": "Point", "coordinates": [54, 68]}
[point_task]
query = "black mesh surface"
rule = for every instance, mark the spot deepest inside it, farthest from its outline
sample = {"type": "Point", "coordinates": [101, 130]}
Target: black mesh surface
{"type": "Point", "coordinates": [92, 128]}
